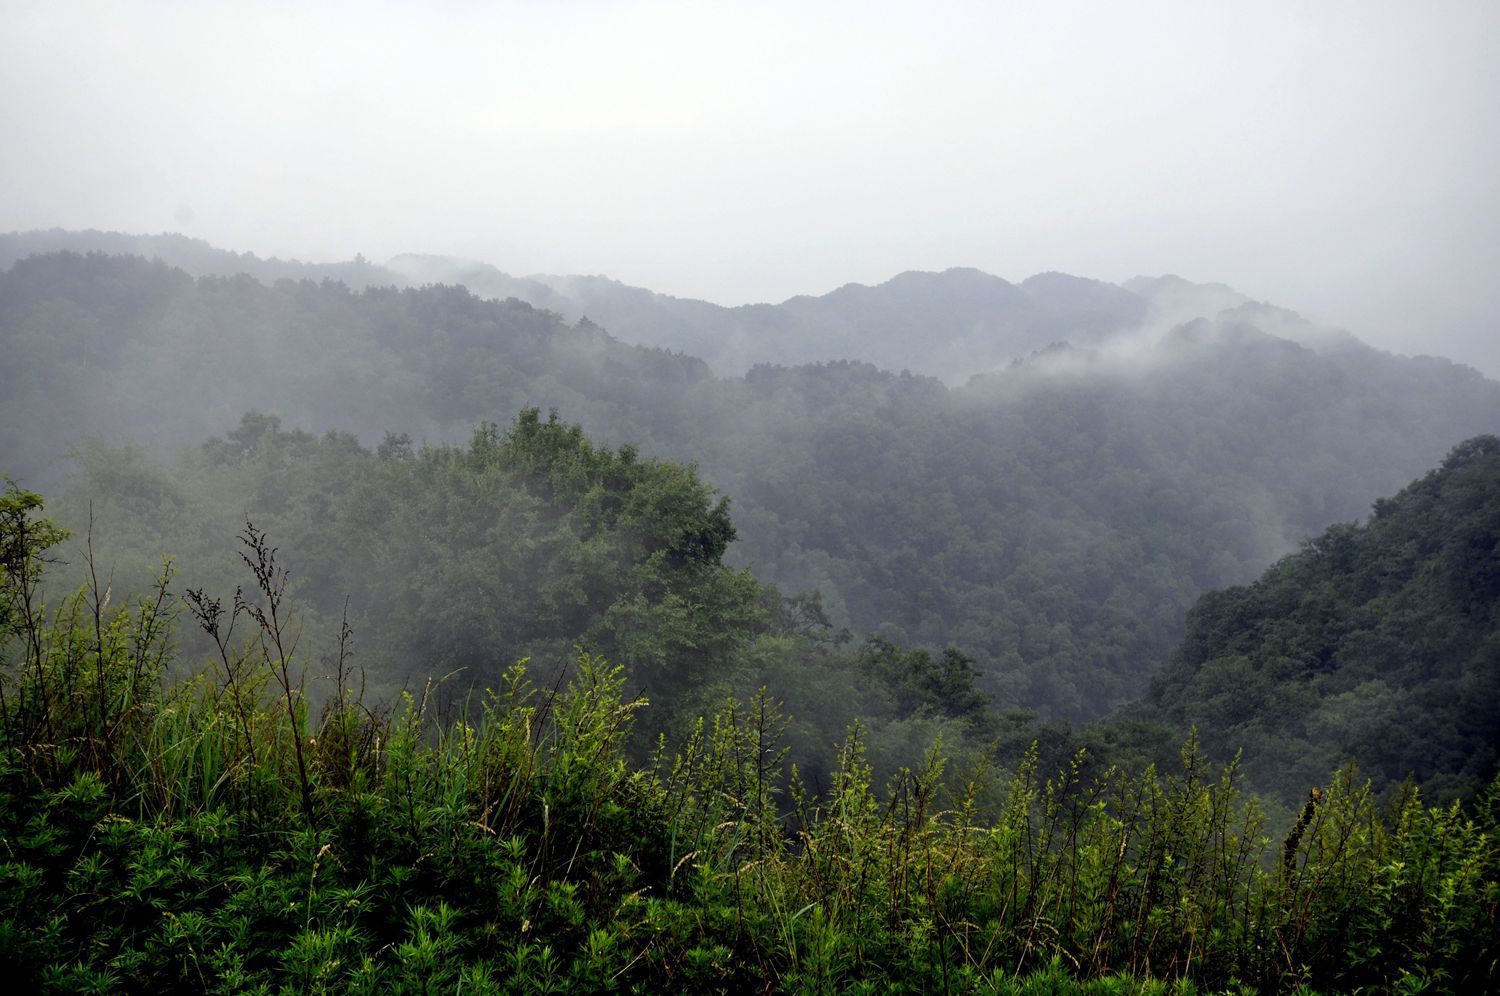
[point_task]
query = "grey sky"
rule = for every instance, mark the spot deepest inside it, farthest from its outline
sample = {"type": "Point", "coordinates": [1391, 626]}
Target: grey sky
{"type": "Point", "coordinates": [1339, 158]}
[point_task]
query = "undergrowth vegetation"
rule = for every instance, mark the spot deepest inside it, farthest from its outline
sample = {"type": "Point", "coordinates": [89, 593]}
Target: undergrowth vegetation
{"type": "Point", "coordinates": [241, 832]}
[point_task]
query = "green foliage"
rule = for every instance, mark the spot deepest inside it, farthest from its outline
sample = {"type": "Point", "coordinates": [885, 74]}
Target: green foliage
{"type": "Point", "coordinates": [24, 540]}
{"type": "Point", "coordinates": [945, 685]}
{"type": "Point", "coordinates": [529, 542]}
{"type": "Point", "coordinates": [524, 543]}
{"type": "Point", "coordinates": [1053, 520]}
{"type": "Point", "coordinates": [162, 837]}
{"type": "Point", "coordinates": [1378, 641]}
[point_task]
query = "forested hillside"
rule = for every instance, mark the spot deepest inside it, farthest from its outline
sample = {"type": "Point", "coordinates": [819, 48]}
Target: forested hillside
{"type": "Point", "coordinates": [1053, 520]}
{"type": "Point", "coordinates": [512, 714]}
{"type": "Point", "coordinates": [948, 325]}
{"type": "Point", "coordinates": [449, 564]}
{"type": "Point", "coordinates": [219, 832]}
{"type": "Point", "coordinates": [738, 499]}
{"type": "Point", "coordinates": [193, 256]}
{"type": "Point", "coordinates": [951, 325]}
{"type": "Point", "coordinates": [1378, 641]}
{"type": "Point", "coordinates": [130, 350]}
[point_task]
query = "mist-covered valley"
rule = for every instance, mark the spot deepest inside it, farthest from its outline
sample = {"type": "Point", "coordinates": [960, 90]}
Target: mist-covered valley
{"type": "Point", "coordinates": [1053, 517]}
{"type": "Point", "coordinates": [750, 498]}
{"type": "Point", "coordinates": [1059, 524]}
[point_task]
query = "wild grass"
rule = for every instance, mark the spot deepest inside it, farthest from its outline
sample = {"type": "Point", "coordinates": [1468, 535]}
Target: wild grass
{"type": "Point", "coordinates": [221, 835]}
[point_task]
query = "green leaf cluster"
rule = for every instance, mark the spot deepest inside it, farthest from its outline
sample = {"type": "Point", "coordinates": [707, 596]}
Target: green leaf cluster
{"type": "Point", "coordinates": [219, 834]}
{"type": "Point", "coordinates": [1379, 641]}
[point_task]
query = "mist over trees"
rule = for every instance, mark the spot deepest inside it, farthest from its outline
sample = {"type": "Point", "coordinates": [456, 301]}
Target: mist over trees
{"type": "Point", "coordinates": [937, 657]}
{"type": "Point", "coordinates": [1054, 519]}
{"type": "Point", "coordinates": [950, 325]}
{"type": "Point", "coordinates": [214, 833]}
{"type": "Point", "coordinates": [1377, 641]}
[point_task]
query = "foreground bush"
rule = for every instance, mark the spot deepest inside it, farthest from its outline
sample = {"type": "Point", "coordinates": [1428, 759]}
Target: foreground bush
{"type": "Point", "coordinates": [221, 835]}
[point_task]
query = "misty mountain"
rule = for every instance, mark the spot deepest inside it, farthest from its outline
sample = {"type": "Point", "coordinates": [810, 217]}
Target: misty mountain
{"type": "Point", "coordinates": [1057, 518]}
{"type": "Point", "coordinates": [949, 325]}
{"type": "Point", "coordinates": [1173, 301]}
{"type": "Point", "coordinates": [1377, 641]}
{"type": "Point", "coordinates": [481, 279]}
{"type": "Point", "coordinates": [1054, 519]}
{"type": "Point", "coordinates": [192, 256]}
{"type": "Point", "coordinates": [118, 348]}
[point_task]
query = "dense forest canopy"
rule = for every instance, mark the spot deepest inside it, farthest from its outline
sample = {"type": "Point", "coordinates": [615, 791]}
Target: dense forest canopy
{"type": "Point", "coordinates": [448, 564]}
{"type": "Point", "coordinates": [1378, 641]}
{"type": "Point", "coordinates": [475, 636]}
{"type": "Point", "coordinates": [215, 832]}
{"type": "Point", "coordinates": [1054, 519]}
{"type": "Point", "coordinates": [949, 325]}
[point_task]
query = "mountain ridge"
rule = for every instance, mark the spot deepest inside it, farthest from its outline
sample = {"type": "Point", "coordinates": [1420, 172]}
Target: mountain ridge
{"type": "Point", "coordinates": [1053, 519]}
{"type": "Point", "coordinates": [952, 324]}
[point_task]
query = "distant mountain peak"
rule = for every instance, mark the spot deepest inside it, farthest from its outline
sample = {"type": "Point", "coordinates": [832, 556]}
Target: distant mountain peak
{"type": "Point", "coordinates": [1171, 282]}
{"type": "Point", "coordinates": [954, 276]}
{"type": "Point", "coordinates": [951, 323]}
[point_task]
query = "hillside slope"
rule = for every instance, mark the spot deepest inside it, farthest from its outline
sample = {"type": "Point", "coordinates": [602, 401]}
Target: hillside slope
{"type": "Point", "coordinates": [1378, 641]}
{"type": "Point", "coordinates": [1054, 520]}
{"type": "Point", "coordinates": [950, 325]}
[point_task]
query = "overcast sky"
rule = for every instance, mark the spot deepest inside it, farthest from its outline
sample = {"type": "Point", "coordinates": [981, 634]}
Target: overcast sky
{"type": "Point", "coordinates": [1338, 158]}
